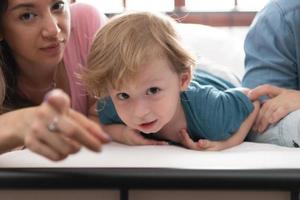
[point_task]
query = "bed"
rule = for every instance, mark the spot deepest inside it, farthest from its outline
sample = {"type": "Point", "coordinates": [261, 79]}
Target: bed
{"type": "Point", "coordinates": [250, 170]}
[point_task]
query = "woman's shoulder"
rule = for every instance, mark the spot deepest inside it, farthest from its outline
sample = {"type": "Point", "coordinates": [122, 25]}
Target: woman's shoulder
{"type": "Point", "coordinates": [86, 20]}
{"type": "Point", "coordinates": [86, 14]}
{"type": "Point", "coordinates": [82, 8]}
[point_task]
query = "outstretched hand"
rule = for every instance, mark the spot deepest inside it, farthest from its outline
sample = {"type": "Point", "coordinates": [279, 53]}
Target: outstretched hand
{"type": "Point", "coordinates": [281, 103]}
{"type": "Point", "coordinates": [58, 131]}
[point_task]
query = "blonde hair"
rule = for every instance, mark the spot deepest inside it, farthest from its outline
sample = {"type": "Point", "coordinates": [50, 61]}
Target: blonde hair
{"type": "Point", "coordinates": [125, 43]}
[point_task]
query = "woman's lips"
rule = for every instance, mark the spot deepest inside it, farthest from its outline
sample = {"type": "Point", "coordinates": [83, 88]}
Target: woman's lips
{"type": "Point", "coordinates": [53, 49]}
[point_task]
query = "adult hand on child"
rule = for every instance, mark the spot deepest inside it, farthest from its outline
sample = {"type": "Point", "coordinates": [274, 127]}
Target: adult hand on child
{"type": "Point", "coordinates": [57, 130]}
{"type": "Point", "coordinates": [282, 101]}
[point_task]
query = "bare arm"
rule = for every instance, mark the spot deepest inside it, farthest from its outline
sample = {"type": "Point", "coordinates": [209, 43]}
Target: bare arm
{"type": "Point", "coordinates": [236, 139]}
{"type": "Point", "coordinates": [244, 129]}
{"type": "Point", "coordinates": [123, 134]}
{"type": "Point", "coordinates": [12, 126]}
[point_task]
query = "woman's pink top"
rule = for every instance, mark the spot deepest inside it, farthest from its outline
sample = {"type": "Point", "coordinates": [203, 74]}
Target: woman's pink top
{"type": "Point", "coordinates": [85, 21]}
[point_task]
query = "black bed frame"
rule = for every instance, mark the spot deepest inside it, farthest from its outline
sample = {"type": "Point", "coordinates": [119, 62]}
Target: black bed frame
{"type": "Point", "coordinates": [125, 179]}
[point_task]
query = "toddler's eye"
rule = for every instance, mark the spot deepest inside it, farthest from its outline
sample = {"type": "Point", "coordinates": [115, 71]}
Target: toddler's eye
{"type": "Point", "coordinates": [152, 91]}
{"type": "Point", "coordinates": [122, 96]}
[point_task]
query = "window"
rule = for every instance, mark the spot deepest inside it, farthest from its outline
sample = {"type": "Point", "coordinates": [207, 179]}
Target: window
{"type": "Point", "coordinates": [225, 5]}
{"type": "Point", "coordinates": [106, 6]}
{"type": "Point", "coordinates": [209, 5]}
{"type": "Point", "coordinates": [251, 5]}
{"type": "Point", "coordinates": [154, 5]}
{"type": "Point", "coordinates": [209, 12]}
{"type": "Point", "coordinates": [117, 6]}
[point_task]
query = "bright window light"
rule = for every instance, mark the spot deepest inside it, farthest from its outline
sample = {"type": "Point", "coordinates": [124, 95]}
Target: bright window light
{"type": "Point", "coordinates": [251, 5]}
{"type": "Point", "coordinates": [106, 6]}
{"type": "Point", "coordinates": [209, 5]}
{"type": "Point", "coordinates": [225, 5]}
{"type": "Point", "coordinates": [151, 5]}
{"type": "Point", "coordinates": [116, 6]}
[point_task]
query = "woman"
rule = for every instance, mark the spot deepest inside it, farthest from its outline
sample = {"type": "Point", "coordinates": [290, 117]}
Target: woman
{"type": "Point", "coordinates": [44, 44]}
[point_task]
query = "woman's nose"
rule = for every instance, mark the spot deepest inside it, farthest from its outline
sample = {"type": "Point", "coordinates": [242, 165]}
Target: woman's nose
{"type": "Point", "coordinates": [51, 27]}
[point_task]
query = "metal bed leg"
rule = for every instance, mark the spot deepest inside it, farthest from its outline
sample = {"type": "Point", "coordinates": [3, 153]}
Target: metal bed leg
{"type": "Point", "coordinates": [294, 195]}
{"type": "Point", "coordinates": [124, 194]}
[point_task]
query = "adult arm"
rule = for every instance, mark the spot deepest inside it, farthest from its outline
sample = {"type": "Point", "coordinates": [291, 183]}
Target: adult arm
{"type": "Point", "coordinates": [272, 57]}
{"type": "Point", "coordinates": [271, 47]}
{"type": "Point", "coordinates": [12, 126]}
{"type": "Point", "coordinates": [29, 127]}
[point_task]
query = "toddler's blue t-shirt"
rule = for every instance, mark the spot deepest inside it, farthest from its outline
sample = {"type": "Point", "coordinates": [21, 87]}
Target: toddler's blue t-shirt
{"type": "Point", "coordinates": [213, 108]}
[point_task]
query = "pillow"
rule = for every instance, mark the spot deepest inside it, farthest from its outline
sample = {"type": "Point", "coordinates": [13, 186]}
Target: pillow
{"type": "Point", "coordinates": [218, 70]}
{"type": "Point", "coordinates": [215, 49]}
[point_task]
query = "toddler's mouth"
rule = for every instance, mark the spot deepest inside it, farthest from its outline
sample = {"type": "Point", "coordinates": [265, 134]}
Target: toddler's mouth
{"type": "Point", "coordinates": [147, 125]}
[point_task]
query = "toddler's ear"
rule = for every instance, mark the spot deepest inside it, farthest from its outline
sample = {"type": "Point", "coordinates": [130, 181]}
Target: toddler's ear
{"type": "Point", "coordinates": [185, 78]}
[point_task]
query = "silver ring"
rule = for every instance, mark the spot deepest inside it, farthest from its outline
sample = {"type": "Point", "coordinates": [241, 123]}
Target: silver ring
{"type": "Point", "coordinates": [53, 125]}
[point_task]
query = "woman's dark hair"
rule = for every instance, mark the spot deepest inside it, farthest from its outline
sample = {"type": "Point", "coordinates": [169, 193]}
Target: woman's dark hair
{"type": "Point", "coordinates": [10, 97]}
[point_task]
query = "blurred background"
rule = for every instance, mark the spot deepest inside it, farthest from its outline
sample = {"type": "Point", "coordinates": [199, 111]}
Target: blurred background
{"type": "Point", "coordinates": [219, 42]}
{"type": "Point", "coordinates": [209, 12]}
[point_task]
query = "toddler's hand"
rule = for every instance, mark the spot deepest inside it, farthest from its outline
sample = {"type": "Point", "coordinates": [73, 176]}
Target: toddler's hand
{"type": "Point", "coordinates": [202, 144]}
{"type": "Point", "coordinates": [133, 137]}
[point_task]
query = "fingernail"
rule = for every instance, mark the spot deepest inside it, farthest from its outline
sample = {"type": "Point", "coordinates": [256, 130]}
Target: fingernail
{"type": "Point", "coordinates": [106, 137]}
{"type": "Point", "coordinates": [51, 92]}
{"type": "Point", "coordinates": [249, 94]}
{"type": "Point", "coordinates": [47, 96]}
{"type": "Point", "coordinates": [260, 129]}
{"type": "Point", "coordinates": [254, 128]}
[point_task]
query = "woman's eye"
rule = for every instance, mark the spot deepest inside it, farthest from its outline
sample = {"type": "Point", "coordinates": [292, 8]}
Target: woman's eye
{"type": "Point", "coordinates": [27, 16]}
{"type": "Point", "coordinates": [152, 91]}
{"type": "Point", "coordinates": [122, 96]}
{"type": "Point", "coordinates": [59, 6]}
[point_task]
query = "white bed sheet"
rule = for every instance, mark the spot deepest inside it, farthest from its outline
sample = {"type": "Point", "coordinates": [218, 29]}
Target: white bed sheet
{"type": "Point", "coordinates": [245, 156]}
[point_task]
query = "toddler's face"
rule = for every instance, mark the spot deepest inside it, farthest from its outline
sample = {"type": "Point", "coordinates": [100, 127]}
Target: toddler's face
{"type": "Point", "coordinates": [151, 101]}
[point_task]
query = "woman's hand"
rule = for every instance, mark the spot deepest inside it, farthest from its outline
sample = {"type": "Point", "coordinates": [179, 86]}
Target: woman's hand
{"type": "Point", "coordinates": [281, 103]}
{"type": "Point", "coordinates": [57, 131]}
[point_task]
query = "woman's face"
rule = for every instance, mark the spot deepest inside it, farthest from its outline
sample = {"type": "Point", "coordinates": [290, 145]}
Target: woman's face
{"type": "Point", "coordinates": [36, 31]}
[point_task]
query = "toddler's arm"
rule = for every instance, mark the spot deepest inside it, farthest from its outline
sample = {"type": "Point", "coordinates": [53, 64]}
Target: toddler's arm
{"type": "Point", "coordinates": [234, 140]}
{"type": "Point", "coordinates": [241, 134]}
{"type": "Point", "coordinates": [123, 134]}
